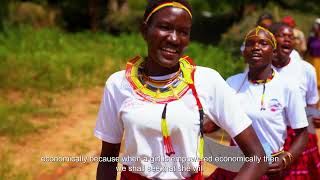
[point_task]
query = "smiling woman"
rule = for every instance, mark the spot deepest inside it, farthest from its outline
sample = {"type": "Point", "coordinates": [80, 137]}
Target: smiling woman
{"type": "Point", "coordinates": [270, 101]}
{"type": "Point", "coordinates": [158, 103]}
{"type": "Point", "coordinates": [167, 38]}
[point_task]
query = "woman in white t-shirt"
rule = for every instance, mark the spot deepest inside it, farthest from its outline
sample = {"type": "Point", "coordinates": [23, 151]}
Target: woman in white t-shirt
{"type": "Point", "coordinates": [158, 104]}
{"type": "Point", "coordinates": [303, 74]}
{"type": "Point", "coordinates": [270, 102]}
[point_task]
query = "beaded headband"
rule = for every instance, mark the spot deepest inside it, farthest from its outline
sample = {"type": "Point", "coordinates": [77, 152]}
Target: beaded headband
{"type": "Point", "coordinates": [171, 4]}
{"type": "Point", "coordinates": [257, 30]}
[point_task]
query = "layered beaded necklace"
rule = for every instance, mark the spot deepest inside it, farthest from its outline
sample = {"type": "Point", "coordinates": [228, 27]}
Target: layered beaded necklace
{"type": "Point", "coordinates": [165, 91]}
{"type": "Point", "coordinates": [264, 81]}
{"type": "Point", "coordinates": [159, 91]}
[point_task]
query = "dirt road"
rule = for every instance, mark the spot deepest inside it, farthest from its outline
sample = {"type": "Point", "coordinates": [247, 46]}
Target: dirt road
{"type": "Point", "coordinates": [68, 136]}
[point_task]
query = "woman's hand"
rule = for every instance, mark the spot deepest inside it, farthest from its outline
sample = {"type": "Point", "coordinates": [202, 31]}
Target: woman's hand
{"type": "Point", "coordinates": [315, 118]}
{"type": "Point", "coordinates": [316, 121]}
{"type": "Point", "coordinates": [285, 159]}
{"type": "Point", "coordinates": [277, 167]}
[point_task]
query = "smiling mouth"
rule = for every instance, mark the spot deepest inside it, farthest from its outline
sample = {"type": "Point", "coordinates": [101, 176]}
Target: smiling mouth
{"type": "Point", "coordinates": [256, 56]}
{"type": "Point", "coordinates": [170, 50]}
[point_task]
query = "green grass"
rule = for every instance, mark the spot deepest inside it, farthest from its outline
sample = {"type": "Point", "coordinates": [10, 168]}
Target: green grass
{"type": "Point", "coordinates": [52, 60]}
{"type": "Point", "coordinates": [49, 59]}
{"type": "Point", "coordinates": [12, 121]}
{"type": "Point", "coordinates": [16, 117]}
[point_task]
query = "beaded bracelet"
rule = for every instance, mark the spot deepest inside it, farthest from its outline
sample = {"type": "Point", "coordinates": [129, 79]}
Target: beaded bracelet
{"type": "Point", "coordinates": [290, 156]}
{"type": "Point", "coordinates": [285, 162]}
{"type": "Point", "coordinates": [287, 153]}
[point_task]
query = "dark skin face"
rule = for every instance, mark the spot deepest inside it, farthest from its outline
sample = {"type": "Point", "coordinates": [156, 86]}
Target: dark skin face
{"type": "Point", "coordinates": [285, 41]}
{"type": "Point", "coordinates": [167, 34]}
{"type": "Point", "coordinates": [258, 54]}
{"type": "Point", "coordinates": [266, 23]}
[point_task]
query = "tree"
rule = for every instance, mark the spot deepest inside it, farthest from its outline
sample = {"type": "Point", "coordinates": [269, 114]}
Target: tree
{"type": "Point", "coordinates": [310, 6]}
{"type": "Point", "coordinates": [85, 14]}
{"type": "Point", "coordinates": [82, 14]}
{"type": "Point", "coordinates": [118, 18]}
{"type": "Point", "coordinates": [97, 11]}
{"type": "Point", "coordinates": [115, 6]}
{"type": "Point", "coordinates": [3, 13]}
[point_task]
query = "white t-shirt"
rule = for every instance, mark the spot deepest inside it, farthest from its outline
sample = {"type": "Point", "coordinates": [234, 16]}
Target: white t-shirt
{"type": "Point", "coordinates": [122, 111]}
{"type": "Point", "coordinates": [295, 55]}
{"type": "Point", "coordinates": [303, 74]}
{"type": "Point", "coordinates": [283, 105]}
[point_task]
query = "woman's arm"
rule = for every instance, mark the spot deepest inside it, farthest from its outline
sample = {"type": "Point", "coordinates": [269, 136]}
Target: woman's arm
{"type": "Point", "coordinates": [250, 145]}
{"type": "Point", "coordinates": [315, 119]}
{"type": "Point", "coordinates": [296, 149]}
{"type": "Point", "coordinates": [299, 143]}
{"type": "Point", "coordinates": [107, 170]}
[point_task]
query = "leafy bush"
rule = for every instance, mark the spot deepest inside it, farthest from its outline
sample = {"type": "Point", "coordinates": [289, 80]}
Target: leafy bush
{"type": "Point", "coordinates": [118, 22]}
{"type": "Point", "coordinates": [53, 60]}
{"type": "Point", "coordinates": [3, 12]}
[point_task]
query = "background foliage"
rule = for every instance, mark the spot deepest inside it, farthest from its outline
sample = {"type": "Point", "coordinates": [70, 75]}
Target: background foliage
{"type": "Point", "coordinates": [50, 49]}
{"type": "Point", "coordinates": [61, 44]}
{"type": "Point", "coordinates": [51, 46]}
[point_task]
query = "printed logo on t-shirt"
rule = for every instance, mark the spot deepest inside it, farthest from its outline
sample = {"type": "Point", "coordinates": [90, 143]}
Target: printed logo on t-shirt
{"type": "Point", "coordinates": [274, 105]}
{"type": "Point", "coordinates": [132, 103]}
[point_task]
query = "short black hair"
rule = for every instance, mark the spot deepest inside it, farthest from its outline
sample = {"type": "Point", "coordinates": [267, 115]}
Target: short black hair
{"type": "Point", "coordinates": [264, 16]}
{"type": "Point", "coordinates": [152, 4]}
{"type": "Point", "coordinates": [275, 27]}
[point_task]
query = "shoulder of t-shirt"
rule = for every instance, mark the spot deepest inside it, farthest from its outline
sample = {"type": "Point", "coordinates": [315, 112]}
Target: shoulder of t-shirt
{"type": "Point", "coordinates": [208, 78]}
{"type": "Point", "coordinates": [207, 73]}
{"type": "Point", "coordinates": [115, 80]}
{"type": "Point", "coordinates": [294, 54]}
{"type": "Point", "coordinates": [308, 67]}
{"type": "Point", "coordinates": [235, 80]}
{"type": "Point", "coordinates": [205, 70]}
